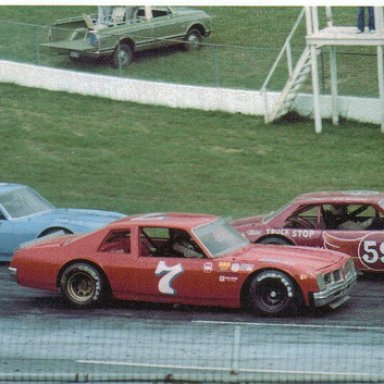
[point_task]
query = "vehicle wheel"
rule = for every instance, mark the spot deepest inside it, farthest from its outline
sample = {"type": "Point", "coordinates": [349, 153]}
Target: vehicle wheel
{"type": "Point", "coordinates": [274, 240]}
{"type": "Point", "coordinates": [273, 293]}
{"type": "Point", "coordinates": [122, 56]}
{"type": "Point", "coordinates": [193, 40]}
{"type": "Point", "coordinates": [82, 285]}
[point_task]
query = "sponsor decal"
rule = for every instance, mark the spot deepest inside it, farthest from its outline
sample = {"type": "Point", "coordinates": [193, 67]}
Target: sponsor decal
{"type": "Point", "coordinates": [207, 267]}
{"type": "Point", "coordinates": [224, 265]}
{"type": "Point", "coordinates": [230, 279]}
{"type": "Point", "coordinates": [253, 232]}
{"type": "Point", "coordinates": [294, 233]}
{"type": "Point", "coordinates": [242, 267]}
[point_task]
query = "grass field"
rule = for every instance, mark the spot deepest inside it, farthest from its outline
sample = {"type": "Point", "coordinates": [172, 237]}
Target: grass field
{"type": "Point", "coordinates": [239, 53]}
{"type": "Point", "coordinates": [97, 153]}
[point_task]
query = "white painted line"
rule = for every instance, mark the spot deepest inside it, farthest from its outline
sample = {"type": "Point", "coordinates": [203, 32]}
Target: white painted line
{"type": "Point", "coordinates": [287, 325]}
{"type": "Point", "coordinates": [223, 369]}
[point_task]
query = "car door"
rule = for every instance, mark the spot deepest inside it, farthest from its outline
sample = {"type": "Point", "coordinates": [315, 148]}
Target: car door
{"type": "Point", "coordinates": [166, 25]}
{"type": "Point", "coordinates": [364, 242]}
{"type": "Point", "coordinates": [305, 226]}
{"type": "Point", "coordinates": [168, 276]}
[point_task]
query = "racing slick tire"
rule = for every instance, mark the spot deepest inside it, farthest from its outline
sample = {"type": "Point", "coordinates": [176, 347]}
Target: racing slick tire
{"type": "Point", "coordinates": [273, 293]}
{"type": "Point", "coordinates": [83, 286]}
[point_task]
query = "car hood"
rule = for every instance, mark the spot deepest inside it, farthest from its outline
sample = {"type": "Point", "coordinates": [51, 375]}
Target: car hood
{"type": "Point", "coordinates": [87, 218]}
{"type": "Point", "coordinates": [305, 258]}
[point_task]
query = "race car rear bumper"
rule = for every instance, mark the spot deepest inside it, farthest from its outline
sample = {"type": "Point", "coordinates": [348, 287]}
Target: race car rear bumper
{"type": "Point", "coordinates": [335, 294]}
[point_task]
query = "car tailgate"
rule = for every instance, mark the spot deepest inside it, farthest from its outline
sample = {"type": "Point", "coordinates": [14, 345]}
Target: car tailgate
{"type": "Point", "coordinates": [70, 45]}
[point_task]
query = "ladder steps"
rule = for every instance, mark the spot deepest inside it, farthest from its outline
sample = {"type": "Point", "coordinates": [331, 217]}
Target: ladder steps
{"type": "Point", "coordinates": [291, 88]}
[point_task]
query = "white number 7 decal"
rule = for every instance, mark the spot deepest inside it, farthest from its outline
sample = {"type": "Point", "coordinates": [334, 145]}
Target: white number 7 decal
{"type": "Point", "coordinates": [170, 273]}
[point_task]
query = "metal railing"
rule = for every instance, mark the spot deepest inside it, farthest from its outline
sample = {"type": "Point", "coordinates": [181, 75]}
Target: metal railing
{"type": "Point", "coordinates": [286, 51]}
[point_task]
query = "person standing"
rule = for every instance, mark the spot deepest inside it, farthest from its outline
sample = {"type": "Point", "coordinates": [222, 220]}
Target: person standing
{"type": "Point", "coordinates": [361, 19]}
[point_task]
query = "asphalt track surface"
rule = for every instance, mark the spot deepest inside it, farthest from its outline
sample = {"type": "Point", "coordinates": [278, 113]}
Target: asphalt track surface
{"type": "Point", "coordinates": [43, 339]}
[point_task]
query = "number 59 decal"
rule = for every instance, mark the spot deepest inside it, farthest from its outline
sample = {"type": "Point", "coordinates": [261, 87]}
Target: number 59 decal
{"type": "Point", "coordinates": [371, 254]}
{"type": "Point", "coordinates": [168, 275]}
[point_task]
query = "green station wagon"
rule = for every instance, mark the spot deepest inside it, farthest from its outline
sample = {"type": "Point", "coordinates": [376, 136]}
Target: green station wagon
{"type": "Point", "coordinates": [117, 32]}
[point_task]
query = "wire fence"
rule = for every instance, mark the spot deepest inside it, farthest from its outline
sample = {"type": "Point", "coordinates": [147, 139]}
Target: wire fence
{"type": "Point", "coordinates": [89, 350]}
{"type": "Point", "coordinates": [214, 65]}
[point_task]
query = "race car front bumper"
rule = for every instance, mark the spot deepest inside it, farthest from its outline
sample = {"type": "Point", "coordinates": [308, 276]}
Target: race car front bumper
{"type": "Point", "coordinates": [335, 294]}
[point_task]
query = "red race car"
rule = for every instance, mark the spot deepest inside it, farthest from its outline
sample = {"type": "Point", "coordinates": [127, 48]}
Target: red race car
{"type": "Point", "coordinates": [186, 259]}
{"type": "Point", "coordinates": [350, 222]}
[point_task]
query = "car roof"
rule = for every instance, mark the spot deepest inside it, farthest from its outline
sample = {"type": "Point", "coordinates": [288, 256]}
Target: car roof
{"type": "Point", "coordinates": [6, 187]}
{"type": "Point", "coordinates": [166, 219]}
{"type": "Point", "coordinates": [359, 197]}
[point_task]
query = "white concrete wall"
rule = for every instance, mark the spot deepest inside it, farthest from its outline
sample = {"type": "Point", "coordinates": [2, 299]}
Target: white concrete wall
{"type": "Point", "coordinates": [176, 95]}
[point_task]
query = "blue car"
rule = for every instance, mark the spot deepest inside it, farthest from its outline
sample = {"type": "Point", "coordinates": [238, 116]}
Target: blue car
{"type": "Point", "coordinates": [25, 216]}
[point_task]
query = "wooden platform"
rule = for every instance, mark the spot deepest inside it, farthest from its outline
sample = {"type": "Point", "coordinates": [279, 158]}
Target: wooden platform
{"type": "Point", "coordinates": [345, 36]}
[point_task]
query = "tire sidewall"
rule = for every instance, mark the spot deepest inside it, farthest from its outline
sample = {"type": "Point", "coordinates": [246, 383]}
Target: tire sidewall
{"type": "Point", "coordinates": [96, 277]}
{"type": "Point", "coordinates": [257, 303]}
{"type": "Point", "coordinates": [128, 52]}
{"type": "Point", "coordinates": [191, 46]}
{"type": "Point", "coordinates": [274, 241]}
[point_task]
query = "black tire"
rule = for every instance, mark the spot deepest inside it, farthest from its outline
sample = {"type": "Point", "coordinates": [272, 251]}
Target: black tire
{"type": "Point", "coordinates": [122, 56]}
{"type": "Point", "coordinates": [83, 285]}
{"type": "Point", "coordinates": [274, 240]}
{"type": "Point", "coordinates": [193, 40]}
{"type": "Point", "coordinates": [273, 293]}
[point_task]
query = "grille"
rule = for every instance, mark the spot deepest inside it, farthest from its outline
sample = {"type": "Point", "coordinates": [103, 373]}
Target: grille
{"type": "Point", "coordinates": [333, 277]}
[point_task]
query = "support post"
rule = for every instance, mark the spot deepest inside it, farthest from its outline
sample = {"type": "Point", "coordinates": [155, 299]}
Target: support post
{"type": "Point", "coordinates": [380, 73]}
{"type": "Point", "coordinates": [312, 26]}
{"type": "Point", "coordinates": [316, 90]}
{"type": "Point", "coordinates": [334, 91]}
{"type": "Point", "coordinates": [329, 17]}
{"type": "Point", "coordinates": [379, 26]}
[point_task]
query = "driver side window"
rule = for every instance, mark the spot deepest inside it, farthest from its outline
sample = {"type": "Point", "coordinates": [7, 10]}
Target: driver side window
{"type": "Point", "coordinates": [351, 217]}
{"type": "Point", "coordinates": [168, 242]}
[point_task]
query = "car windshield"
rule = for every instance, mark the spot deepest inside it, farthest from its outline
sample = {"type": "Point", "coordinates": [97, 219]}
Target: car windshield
{"type": "Point", "coordinates": [271, 215]}
{"type": "Point", "coordinates": [23, 202]}
{"type": "Point", "coordinates": [220, 238]}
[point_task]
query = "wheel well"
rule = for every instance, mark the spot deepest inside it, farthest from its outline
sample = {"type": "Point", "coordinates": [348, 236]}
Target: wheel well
{"type": "Point", "coordinates": [99, 269]}
{"type": "Point", "coordinates": [247, 283]}
{"type": "Point", "coordinates": [288, 241]}
{"type": "Point", "coordinates": [127, 41]}
{"type": "Point", "coordinates": [54, 229]}
{"type": "Point", "coordinates": [199, 27]}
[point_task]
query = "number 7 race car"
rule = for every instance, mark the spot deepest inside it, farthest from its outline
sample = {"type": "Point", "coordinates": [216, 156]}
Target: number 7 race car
{"type": "Point", "coordinates": [185, 259]}
{"type": "Point", "coordinates": [350, 222]}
